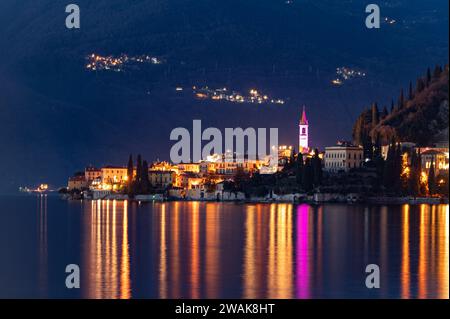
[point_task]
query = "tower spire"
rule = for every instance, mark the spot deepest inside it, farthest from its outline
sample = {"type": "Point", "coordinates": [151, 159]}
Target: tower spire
{"type": "Point", "coordinates": [304, 120]}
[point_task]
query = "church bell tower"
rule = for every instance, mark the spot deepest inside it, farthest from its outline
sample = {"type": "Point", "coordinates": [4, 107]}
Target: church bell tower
{"type": "Point", "coordinates": [303, 146]}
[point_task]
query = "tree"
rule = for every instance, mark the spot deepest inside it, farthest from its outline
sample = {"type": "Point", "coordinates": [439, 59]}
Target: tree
{"type": "Point", "coordinates": [414, 174]}
{"type": "Point", "coordinates": [367, 147]}
{"type": "Point", "coordinates": [137, 185]}
{"type": "Point", "coordinates": [398, 167]}
{"type": "Point", "coordinates": [378, 158]}
{"type": "Point", "coordinates": [307, 176]}
{"type": "Point", "coordinates": [411, 91]}
{"type": "Point", "coordinates": [358, 129]}
{"type": "Point", "coordinates": [437, 72]}
{"type": "Point", "coordinates": [145, 182]}
{"type": "Point", "coordinates": [292, 159]}
{"type": "Point", "coordinates": [210, 186]}
{"type": "Point", "coordinates": [375, 115]}
{"type": "Point", "coordinates": [362, 127]}
{"type": "Point", "coordinates": [401, 100]}
{"type": "Point", "coordinates": [139, 168]}
{"type": "Point", "coordinates": [431, 179]}
{"type": "Point", "coordinates": [428, 77]}
{"type": "Point", "coordinates": [388, 172]}
{"type": "Point", "coordinates": [420, 86]}
{"type": "Point", "coordinates": [240, 179]}
{"type": "Point", "coordinates": [299, 169]}
{"type": "Point", "coordinates": [392, 106]}
{"type": "Point", "coordinates": [317, 169]}
{"type": "Point", "coordinates": [130, 174]}
{"type": "Point", "coordinates": [384, 113]}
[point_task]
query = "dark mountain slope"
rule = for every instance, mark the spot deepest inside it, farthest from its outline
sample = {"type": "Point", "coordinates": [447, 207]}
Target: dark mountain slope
{"type": "Point", "coordinates": [420, 116]}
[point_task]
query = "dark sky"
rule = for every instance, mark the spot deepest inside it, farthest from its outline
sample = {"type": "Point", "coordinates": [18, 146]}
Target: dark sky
{"type": "Point", "coordinates": [55, 117]}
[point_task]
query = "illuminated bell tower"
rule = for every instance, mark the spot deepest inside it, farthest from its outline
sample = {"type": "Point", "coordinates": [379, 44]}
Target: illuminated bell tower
{"type": "Point", "coordinates": [303, 133]}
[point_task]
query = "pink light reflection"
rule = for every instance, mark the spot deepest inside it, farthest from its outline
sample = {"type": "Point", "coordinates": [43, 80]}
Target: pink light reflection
{"type": "Point", "coordinates": [302, 271]}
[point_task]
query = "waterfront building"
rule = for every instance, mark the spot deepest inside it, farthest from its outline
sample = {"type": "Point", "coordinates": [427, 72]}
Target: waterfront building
{"type": "Point", "coordinates": [92, 173]}
{"type": "Point", "coordinates": [189, 167]}
{"type": "Point", "coordinates": [161, 178]}
{"type": "Point", "coordinates": [77, 183]}
{"type": "Point", "coordinates": [438, 157]}
{"type": "Point", "coordinates": [113, 176]}
{"type": "Point", "coordinates": [188, 180]}
{"type": "Point", "coordinates": [164, 166]}
{"type": "Point", "coordinates": [284, 154]}
{"type": "Point", "coordinates": [404, 146]}
{"type": "Point", "coordinates": [439, 154]}
{"type": "Point", "coordinates": [343, 157]}
{"type": "Point", "coordinates": [231, 168]}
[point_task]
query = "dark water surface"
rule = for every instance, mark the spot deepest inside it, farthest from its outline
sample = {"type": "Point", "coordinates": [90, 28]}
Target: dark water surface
{"type": "Point", "coordinates": [221, 250]}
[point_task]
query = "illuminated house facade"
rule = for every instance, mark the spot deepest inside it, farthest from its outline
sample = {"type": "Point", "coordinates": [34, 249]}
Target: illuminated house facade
{"type": "Point", "coordinates": [114, 175]}
{"type": "Point", "coordinates": [284, 154]}
{"type": "Point", "coordinates": [161, 178]}
{"type": "Point", "coordinates": [438, 157]}
{"type": "Point", "coordinates": [92, 173]}
{"type": "Point", "coordinates": [343, 157]}
{"type": "Point", "coordinates": [77, 183]}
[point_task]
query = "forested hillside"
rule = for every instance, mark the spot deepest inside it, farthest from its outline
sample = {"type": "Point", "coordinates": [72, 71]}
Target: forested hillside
{"type": "Point", "coordinates": [420, 114]}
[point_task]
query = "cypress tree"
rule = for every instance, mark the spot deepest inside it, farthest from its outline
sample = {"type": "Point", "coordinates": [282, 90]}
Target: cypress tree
{"type": "Point", "coordinates": [375, 114]}
{"type": "Point", "coordinates": [307, 176]}
{"type": "Point", "coordinates": [377, 146]}
{"type": "Point", "coordinates": [368, 147]}
{"type": "Point", "coordinates": [389, 169]}
{"type": "Point", "coordinates": [292, 159]}
{"type": "Point", "coordinates": [411, 91]}
{"type": "Point", "coordinates": [138, 181]}
{"type": "Point", "coordinates": [130, 174]}
{"type": "Point", "coordinates": [358, 131]}
{"type": "Point", "coordinates": [299, 169]}
{"type": "Point", "coordinates": [419, 171]}
{"type": "Point", "coordinates": [139, 168]}
{"type": "Point", "coordinates": [385, 112]}
{"type": "Point", "coordinates": [414, 175]}
{"type": "Point", "coordinates": [392, 106]}
{"type": "Point", "coordinates": [431, 179]}
{"type": "Point", "coordinates": [144, 178]}
{"type": "Point", "coordinates": [420, 86]}
{"type": "Point", "coordinates": [401, 100]}
{"type": "Point", "coordinates": [317, 168]}
{"type": "Point", "coordinates": [437, 72]}
{"type": "Point", "coordinates": [378, 158]}
{"type": "Point", "coordinates": [428, 77]}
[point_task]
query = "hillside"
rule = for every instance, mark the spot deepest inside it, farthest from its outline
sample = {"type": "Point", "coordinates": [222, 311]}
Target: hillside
{"type": "Point", "coordinates": [420, 117]}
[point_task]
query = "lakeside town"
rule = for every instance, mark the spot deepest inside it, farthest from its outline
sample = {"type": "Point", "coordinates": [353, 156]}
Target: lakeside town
{"type": "Point", "coordinates": [391, 173]}
{"type": "Point", "coordinates": [389, 160]}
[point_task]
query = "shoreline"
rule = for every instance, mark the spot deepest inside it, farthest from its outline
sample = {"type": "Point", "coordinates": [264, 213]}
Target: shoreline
{"type": "Point", "coordinates": [382, 200]}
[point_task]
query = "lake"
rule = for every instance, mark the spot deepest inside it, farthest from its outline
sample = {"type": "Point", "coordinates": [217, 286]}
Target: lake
{"type": "Point", "coordinates": [221, 250]}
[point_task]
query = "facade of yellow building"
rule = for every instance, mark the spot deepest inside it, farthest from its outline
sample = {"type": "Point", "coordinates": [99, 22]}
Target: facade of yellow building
{"type": "Point", "coordinates": [77, 183]}
{"type": "Point", "coordinates": [161, 179]}
{"type": "Point", "coordinates": [114, 175]}
{"type": "Point", "coordinates": [92, 173]}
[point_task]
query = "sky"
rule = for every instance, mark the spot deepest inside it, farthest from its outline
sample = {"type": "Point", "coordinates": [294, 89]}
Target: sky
{"type": "Point", "coordinates": [57, 116]}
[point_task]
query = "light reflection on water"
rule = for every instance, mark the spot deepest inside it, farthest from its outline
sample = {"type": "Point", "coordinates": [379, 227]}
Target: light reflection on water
{"type": "Point", "coordinates": [226, 250]}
